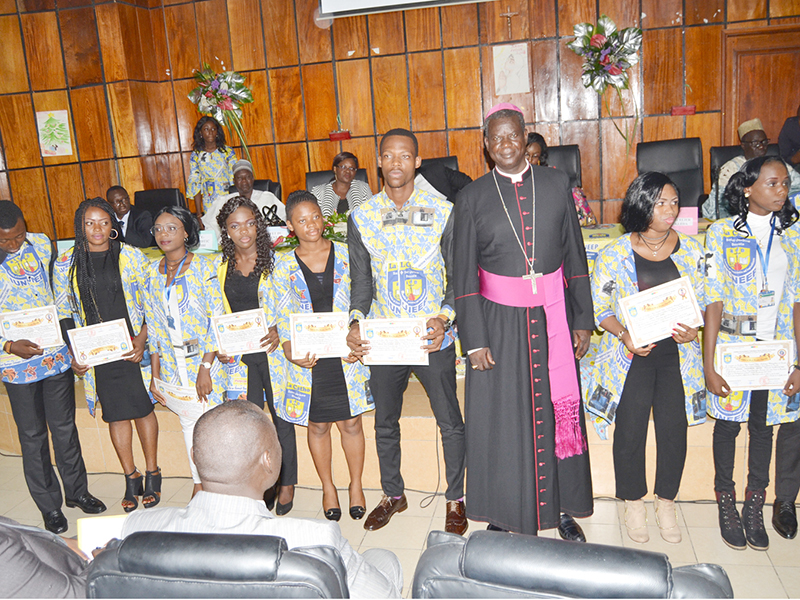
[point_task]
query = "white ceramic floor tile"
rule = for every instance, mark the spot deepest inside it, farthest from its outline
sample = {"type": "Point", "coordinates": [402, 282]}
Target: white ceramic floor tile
{"type": "Point", "coordinates": [790, 578]}
{"type": "Point", "coordinates": [401, 532]}
{"type": "Point", "coordinates": [700, 515]}
{"type": "Point", "coordinates": [709, 547]}
{"type": "Point", "coordinates": [601, 533]}
{"type": "Point", "coordinates": [783, 552]}
{"type": "Point", "coordinates": [751, 581]}
{"type": "Point", "coordinates": [408, 560]}
{"type": "Point", "coordinates": [605, 512]}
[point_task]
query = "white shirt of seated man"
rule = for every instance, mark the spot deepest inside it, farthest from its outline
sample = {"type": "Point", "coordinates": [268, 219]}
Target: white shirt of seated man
{"type": "Point", "coordinates": [237, 454]}
{"type": "Point", "coordinates": [261, 199]}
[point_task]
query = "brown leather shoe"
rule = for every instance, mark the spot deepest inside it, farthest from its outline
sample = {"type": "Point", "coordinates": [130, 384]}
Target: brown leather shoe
{"type": "Point", "coordinates": [383, 512]}
{"type": "Point", "coordinates": [456, 519]}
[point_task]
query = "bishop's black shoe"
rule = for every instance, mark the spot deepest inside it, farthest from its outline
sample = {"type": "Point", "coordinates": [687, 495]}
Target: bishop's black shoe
{"type": "Point", "coordinates": [55, 521]}
{"type": "Point", "coordinates": [569, 530]}
{"type": "Point", "coordinates": [784, 519]}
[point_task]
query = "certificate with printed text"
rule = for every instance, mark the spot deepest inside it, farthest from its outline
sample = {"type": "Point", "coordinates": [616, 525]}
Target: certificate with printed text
{"type": "Point", "coordinates": [651, 315]}
{"type": "Point", "coordinates": [755, 365]}
{"type": "Point", "coordinates": [100, 344]}
{"type": "Point", "coordinates": [240, 332]}
{"type": "Point", "coordinates": [176, 392]}
{"type": "Point", "coordinates": [323, 334]}
{"type": "Point", "coordinates": [39, 325]}
{"type": "Point", "coordinates": [394, 341]}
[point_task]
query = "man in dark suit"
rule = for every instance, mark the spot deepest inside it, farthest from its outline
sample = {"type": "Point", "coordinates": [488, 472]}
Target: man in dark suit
{"type": "Point", "coordinates": [133, 224]}
{"type": "Point", "coordinates": [446, 182]}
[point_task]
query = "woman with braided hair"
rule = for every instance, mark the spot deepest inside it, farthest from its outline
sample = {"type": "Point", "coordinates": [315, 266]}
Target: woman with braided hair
{"type": "Point", "coordinates": [100, 280]}
{"type": "Point", "coordinates": [244, 274]}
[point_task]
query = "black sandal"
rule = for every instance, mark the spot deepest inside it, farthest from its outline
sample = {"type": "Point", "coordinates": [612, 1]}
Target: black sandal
{"type": "Point", "coordinates": [152, 488]}
{"type": "Point", "coordinates": [133, 488]}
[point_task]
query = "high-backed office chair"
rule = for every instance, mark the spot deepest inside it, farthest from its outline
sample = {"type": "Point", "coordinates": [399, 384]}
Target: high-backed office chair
{"type": "Point", "coordinates": [264, 185]}
{"type": "Point", "coordinates": [155, 564]}
{"type": "Point", "coordinates": [491, 564]}
{"type": "Point", "coordinates": [568, 159]}
{"type": "Point", "coordinates": [154, 200]}
{"type": "Point", "coordinates": [719, 155]}
{"type": "Point", "coordinates": [680, 160]}
{"type": "Point", "coordinates": [315, 178]}
{"type": "Point", "coordinates": [451, 162]}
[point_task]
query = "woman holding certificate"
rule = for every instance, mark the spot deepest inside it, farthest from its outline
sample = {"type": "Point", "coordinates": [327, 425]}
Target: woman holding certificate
{"type": "Point", "coordinates": [751, 293]}
{"type": "Point", "coordinates": [244, 277]}
{"type": "Point", "coordinates": [99, 283]}
{"type": "Point", "coordinates": [180, 303]}
{"type": "Point", "coordinates": [318, 392]}
{"type": "Point", "coordinates": [628, 381]}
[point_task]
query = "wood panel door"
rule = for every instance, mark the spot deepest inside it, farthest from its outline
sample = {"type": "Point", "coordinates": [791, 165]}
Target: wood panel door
{"type": "Point", "coordinates": [760, 67]}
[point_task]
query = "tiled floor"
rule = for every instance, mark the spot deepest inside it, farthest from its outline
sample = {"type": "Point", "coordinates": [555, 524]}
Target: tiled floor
{"type": "Point", "coordinates": [771, 574]}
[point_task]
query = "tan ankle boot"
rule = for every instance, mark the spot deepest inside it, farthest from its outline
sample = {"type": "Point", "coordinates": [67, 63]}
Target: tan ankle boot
{"type": "Point", "coordinates": [636, 521]}
{"type": "Point", "coordinates": [667, 520]}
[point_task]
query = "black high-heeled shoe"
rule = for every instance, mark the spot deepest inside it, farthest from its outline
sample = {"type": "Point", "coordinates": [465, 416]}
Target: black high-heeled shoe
{"type": "Point", "coordinates": [133, 488]}
{"type": "Point", "coordinates": [333, 514]}
{"type": "Point", "coordinates": [357, 512]}
{"type": "Point", "coordinates": [152, 488]}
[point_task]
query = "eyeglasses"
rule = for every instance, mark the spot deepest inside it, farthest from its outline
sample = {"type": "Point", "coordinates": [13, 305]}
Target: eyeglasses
{"type": "Point", "coordinates": [758, 143]}
{"type": "Point", "coordinates": [168, 229]}
{"type": "Point", "coordinates": [346, 168]}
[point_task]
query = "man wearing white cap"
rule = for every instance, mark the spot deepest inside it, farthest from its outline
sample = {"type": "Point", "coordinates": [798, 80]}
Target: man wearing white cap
{"type": "Point", "coordinates": [243, 179]}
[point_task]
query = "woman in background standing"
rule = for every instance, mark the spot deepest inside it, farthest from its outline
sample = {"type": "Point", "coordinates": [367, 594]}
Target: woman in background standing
{"type": "Point", "coordinates": [210, 166]}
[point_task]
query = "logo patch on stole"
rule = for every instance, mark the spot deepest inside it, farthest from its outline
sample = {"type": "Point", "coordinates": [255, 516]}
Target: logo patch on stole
{"type": "Point", "coordinates": [740, 258]}
{"type": "Point", "coordinates": [408, 287]}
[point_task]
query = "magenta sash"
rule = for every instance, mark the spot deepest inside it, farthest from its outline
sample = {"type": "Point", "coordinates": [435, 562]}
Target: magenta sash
{"type": "Point", "coordinates": [564, 390]}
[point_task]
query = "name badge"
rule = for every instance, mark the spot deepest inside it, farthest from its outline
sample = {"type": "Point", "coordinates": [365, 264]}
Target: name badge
{"type": "Point", "coordinates": [766, 299]}
{"type": "Point", "coordinates": [392, 216]}
{"type": "Point", "coordinates": [423, 217]}
{"type": "Point", "coordinates": [191, 347]}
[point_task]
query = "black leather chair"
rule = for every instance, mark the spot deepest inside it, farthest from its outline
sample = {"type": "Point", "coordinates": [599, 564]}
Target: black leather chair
{"type": "Point", "coordinates": [451, 162]}
{"type": "Point", "coordinates": [315, 178]}
{"type": "Point", "coordinates": [154, 200]}
{"type": "Point", "coordinates": [568, 159]}
{"type": "Point", "coordinates": [264, 185]}
{"type": "Point", "coordinates": [154, 564]}
{"type": "Point", "coordinates": [492, 564]}
{"type": "Point", "coordinates": [719, 155]}
{"type": "Point", "coordinates": [681, 160]}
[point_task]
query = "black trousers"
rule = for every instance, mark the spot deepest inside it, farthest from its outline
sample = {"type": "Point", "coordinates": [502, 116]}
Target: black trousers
{"type": "Point", "coordinates": [388, 383]}
{"type": "Point", "coordinates": [37, 406]}
{"type": "Point", "coordinates": [787, 462]}
{"type": "Point", "coordinates": [258, 385]}
{"type": "Point", "coordinates": [652, 383]}
{"type": "Point", "coordinates": [759, 450]}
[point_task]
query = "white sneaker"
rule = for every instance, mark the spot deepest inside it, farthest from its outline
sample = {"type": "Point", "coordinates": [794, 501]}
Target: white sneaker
{"type": "Point", "coordinates": [636, 521]}
{"type": "Point", "coordinates": [667, 520]}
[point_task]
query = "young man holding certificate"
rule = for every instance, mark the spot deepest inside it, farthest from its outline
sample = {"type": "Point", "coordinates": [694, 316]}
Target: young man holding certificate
{"type": "Point", "coordinates": [401, 251]}
{"type": "Point", "coordinates": [37, 376]}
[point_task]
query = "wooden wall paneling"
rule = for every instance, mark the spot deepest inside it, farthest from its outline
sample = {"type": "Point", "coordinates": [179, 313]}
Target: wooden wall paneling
{"type": "Point", "coordinates": [699, 12]}
{"type": "Point", "coordinates": [123, 120]}
{"type": "Point", "coordinates": [65, 186]}
{"type": "Point", "coordinates": [134, 52]}
{"type": "Point", "coordinates": [544, 68]}
{"type": "Point", "coordinates": [577, 102]}
{"type": "Point", "coordinates": [551, 132]}
{"type": "Point", "coordinates": [422, 29]}
{"type": "Point", "coordinates": [161, 116]}
{"type": "Point", "coordinates": [186, 112]}
{"type": "Point", "coordinates": [287, 105]}
{"type": "Point", "coordinates": [315, 43]}
{"type": "Point", "coordinates": [173, 167]}
{"type": "Point", "coordinates": [747, 24]}
{"type": "Point", "coordinates": [168, 2]}
{"type": "Point", "coordinates": [662, 13]}
{"type": "Point", "coordinates": [81, 46]}
{"type": "Point", "coordinates": [141, 116]}
{"type": "Point", "coordinates": [130, 174]}
{"type": "Point", "coordinates": [459, 25]}
{"type": "Point", "coordinates": [185, 158]}
{"type": "Point", "coordinates": [212, 24]}
{"type": "Point", "coordinates": [389, 82]}
{"type": "Point", "coordinates": [784, 8]}
{"type": "Point", "coordinates": [182, 40]}
{"type": "Point", "coordinates": [432, 144]}
{"type": "Point", "coordinates": [350, 37]}
{"type": "Point", "coordinates": [36, 5]}
{"type": "Point", "coordinates": [575, 11]}
{"type": "Point", "coordinates": [247, 38]}
{"type": "Point", "coordinates": [625, 13]}
{"type": "Point", "coordinates": [495, 27]}
{"type": "Point", "coordinates": [320, 101]}
{"type": "Point", "coordinates": [292, 166]}
{"type": "Point", "coordinates": [5, 191]}
{"type": "Point", "coordinates": [706, 126]}
{"type": "Point", "coordinates": [462, 68]}
{"type": "Point", "coordinates": [426, 90]}
{"type": "Point", "coordinates": [264, 163]}
{"type": "Point", "coordinates": [256, 116]}
{"type": "Point", "coordinates": [57, 100]}
{"type": "Point", "coordinates": [746, 10]}
{"type": "Point", "coordinates": [704, 67]}
{"type": "Point", "coordinates": [153, 40]}
{"type": "Point", "coordinates": [151, 174]}
{"type": "Point", "coordinates": [662, 128]}
{"type": "Point", "coordinates": [112, 43]}
{"type": "Point", "coordinates": [98, 176]}
{"type": "Point", "coordinates": [20, 135]}
{"type": "Point", "coordinates": [366, 149]}
{"type": "Point", "coordinates": [355, 97]}
{"type": "Point", "coordinates": [320, 156]}
{"type": "Point", "coordinates": [542, 20]}
{"type": "Point", "coordinates": [280, 33]}
{"type": "Point", "coordinates": [523, 101]}
{"type": "Point", "coordinates": [785, 21]}
{"type": "Point", "coordinates": [662, 53]}
{"type": "Point", "coordinates": [386, 33]}
{"type": "Point", "coordinates": [587, 135]}
{"type": "Point", "coordinates": [467, 145]}
{"type": "Point", "coordinates": [43, 50]}
{"type": "Point", "coordinates": [29, 192]}
{"type": "Point", "coordinates": [631, 97]}
{"type": "Point", "coordinates": [611, 211]}
{"type": "Point", "coordinates": [8, 7]}
{"type": "Point", "coordinates": [12, 58]}
{"type": "Point", "coordinates": [619, 168]}
{"type": "Point", "coordinates": [76, 3]}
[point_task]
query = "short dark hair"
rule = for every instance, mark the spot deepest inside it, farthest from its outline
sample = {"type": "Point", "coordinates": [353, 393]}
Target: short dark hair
{"type": "Point", "coordinates": [10, 214]}
{"type": "Point", "coordinates": [343, 156]}
{"type": "Point", "coordinates": [296, 198]}
{"type": "Point", "coordinates": [506, 113]}
{"type": "Point", "coordinates": [739, 205]}
{"type": "Point", "coordinates": [188, 221]}
{"type": "Point", "coordinates": [403, 133]}
{"type": "Point", "coordinates": [115, 188]}
{"type": "Point", "coordinates": [641, 197]}
{"type": "Point", "coordinates": [537, 138]}
{"type": "Point", "coordinates": [198, 144]}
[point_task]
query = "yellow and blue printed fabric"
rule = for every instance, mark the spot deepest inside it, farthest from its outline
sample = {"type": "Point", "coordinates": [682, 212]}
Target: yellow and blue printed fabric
{"type": "Point", "coordinates": [408, 269]}
{"type": "Point", "coordinates": [292, 296]}
{"type": "Point", "coordinates": [614, 277]}
{"type": "Point", "coordinates": [25, 281]}
{"type": "Point", "coordinates": [210, 173]}
{"type": "Point", "coordinates": [133, 266]}
{"type": "Point", "coordinates": [732, 262]}
{"type": "Point", "coordinates": [199, 299]}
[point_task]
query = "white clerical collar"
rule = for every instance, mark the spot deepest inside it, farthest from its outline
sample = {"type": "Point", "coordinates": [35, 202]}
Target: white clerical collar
{"type": "Point", "coordinates": [517, 177]}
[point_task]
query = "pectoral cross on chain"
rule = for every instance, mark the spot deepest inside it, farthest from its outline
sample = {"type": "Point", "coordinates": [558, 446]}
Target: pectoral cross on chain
{"type": "Point", "coordinates": [508, 14]}
{"type": "Point", "coordinates": [533, 276]}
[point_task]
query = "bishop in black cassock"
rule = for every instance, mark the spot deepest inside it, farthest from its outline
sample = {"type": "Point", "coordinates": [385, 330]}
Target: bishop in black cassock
{"type": "Point", "coordinates": [514, 479]}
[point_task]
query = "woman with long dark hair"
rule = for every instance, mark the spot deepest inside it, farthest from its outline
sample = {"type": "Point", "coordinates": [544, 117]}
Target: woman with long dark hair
{"type": "Point", "coordinates": [343, 192]}
{"type": "Point", "coordinates": [210, 166]}
{"type": "Point", "coordinates": [244, 278]}
{"type": "Point", "coordinates": [100, 280]}
{"type": "Point", "coordinates": [753, 261]}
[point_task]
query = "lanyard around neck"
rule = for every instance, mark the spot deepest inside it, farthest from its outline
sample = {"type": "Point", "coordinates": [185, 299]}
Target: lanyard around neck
{"type": "Point", "coordinates": [764, 260]}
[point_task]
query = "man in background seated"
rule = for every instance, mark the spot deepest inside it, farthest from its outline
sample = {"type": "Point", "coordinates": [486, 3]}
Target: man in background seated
{"type": "Point", "coordinates": [243, 179]}
{"type": "Point", "coordinates": [133, 224]}
{"type": "Point", "coordinates": [238, 457]}
{"type": "Point", "coordinates": [441, 181]}
{"type": "Point", "coordinates": [789, 141]}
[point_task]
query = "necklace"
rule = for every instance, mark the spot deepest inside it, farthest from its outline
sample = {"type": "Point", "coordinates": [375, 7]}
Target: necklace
{"type": "Point", "coordinates": [532, 275]}
{"type": "Point", "coordinates": [657, 245]}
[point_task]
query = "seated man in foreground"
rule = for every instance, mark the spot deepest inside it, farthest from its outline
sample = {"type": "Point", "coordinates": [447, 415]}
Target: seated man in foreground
{"type": "Point", "coordinates": [237, 454]}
